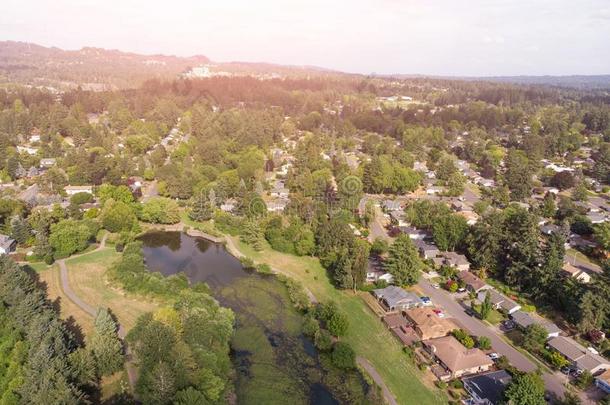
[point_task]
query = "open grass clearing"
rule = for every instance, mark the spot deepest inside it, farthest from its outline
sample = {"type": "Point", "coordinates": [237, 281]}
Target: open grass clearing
{"type": "Point", "coordinates": [87, 278]}
{"type": "Point", "coordinates": [67, 309]}
{"type": "Point", "coordinates": [366, 333]}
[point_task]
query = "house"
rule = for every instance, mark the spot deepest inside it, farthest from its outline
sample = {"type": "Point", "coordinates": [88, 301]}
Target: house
{"type": "Point", "coordinates": [7, 244]}
{"type": "Point", "coordinates": [456, 260]}
{"type": "Point", "coordinates": [456, 359]}
{"type": "Point", "coordinates": [373, 275]}
{"type": "Point", "coordinates": [280, 190]}
{"type": "Point", "coordinates": [27, 149]}
{"type": "Point", "coordinates": [580, 357]}
{"type": "Point", "coordinates": [426, 250]}
{"type": "Point", "coordinates": [398, 218]}
{"type": "Point", "coordinates": [32, 172]}
{"type": "Point", "coordinates": [575, 272]}
{"type": "Point", "coordinates": [427, 324]}
{"type": "Point", "coordinates": [396, 299]}
{"type": "Point", "coordinates": [596, 217]}
{"type": "Point", "coordinates": [391, 205]}
{"type": "Point", "coordinates": [472, 282]}
{"type": "Point", "coordinates": [470, 216]}
{"type": "Point", "coordinates": [413, 233]}
{"type": "Point", "coordinates": [30, 195]}
{"type": "Point", "coordinates": [499, 301]}
{"type": "Point", "coordinates": [71, 190]}
{"type": "Point", "coordinates": [277, 205]}
{"type": "Point", "coordinates": [602, 381]}
{"type": "Point", "coordinates": [549, 229]}
{"type": "Point", "coordinates": [487, 388]}
{"type": "Point", "coordinates": [523, 320]}
{"type": "Point", "coordinates": [432, 190]}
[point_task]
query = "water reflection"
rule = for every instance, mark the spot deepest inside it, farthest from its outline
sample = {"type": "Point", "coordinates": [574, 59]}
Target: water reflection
{"type": "Point", "coordinates": [272, 359]}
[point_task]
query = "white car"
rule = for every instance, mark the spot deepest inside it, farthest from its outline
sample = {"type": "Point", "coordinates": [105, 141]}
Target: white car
{"type": "Point", "coordinates": [494, 356]}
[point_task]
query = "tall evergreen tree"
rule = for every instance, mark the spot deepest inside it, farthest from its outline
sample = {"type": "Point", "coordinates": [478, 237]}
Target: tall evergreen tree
{"type": "Point", "coordinates": [403, 261]}
{"type": "Point", "coordinates": [105, 344]}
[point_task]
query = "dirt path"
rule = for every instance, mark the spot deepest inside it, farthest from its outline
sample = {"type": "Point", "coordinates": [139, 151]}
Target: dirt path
{"type": "Point", "coordinates": [72, 296]}
{"type": "Point", "coordinates": [387, 394]}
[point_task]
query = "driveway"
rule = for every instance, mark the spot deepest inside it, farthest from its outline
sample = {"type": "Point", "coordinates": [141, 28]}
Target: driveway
{"type": "Point", "coordinates": [377, 227]}
{"type": "Point", "coordinates": [553, 382]}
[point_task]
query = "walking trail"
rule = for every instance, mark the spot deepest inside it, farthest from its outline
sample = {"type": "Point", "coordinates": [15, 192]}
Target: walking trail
{"type": "Point", "coordinates": [78, 301]}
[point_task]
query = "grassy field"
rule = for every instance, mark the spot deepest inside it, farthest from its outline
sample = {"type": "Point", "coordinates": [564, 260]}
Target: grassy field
{"type": "Point", "coordinates": [67, 309]}
{"type": "Point", "coordinates": [86, 275]}
{"type": "Point", "coordinates": [366, 333]}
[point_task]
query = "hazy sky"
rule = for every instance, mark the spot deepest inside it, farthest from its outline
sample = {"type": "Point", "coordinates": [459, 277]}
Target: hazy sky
{"type": "Point", "coordinates": [445, 37]}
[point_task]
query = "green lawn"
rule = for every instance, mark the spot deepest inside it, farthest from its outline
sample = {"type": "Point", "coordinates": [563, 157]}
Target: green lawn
{"type": "Point", "coordinates": [366, 333]}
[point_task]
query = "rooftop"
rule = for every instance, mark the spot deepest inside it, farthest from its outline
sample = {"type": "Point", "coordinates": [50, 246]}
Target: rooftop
{"type": "Point", "coordinates": [455, 356]}
{"type": "Point", "coordinates": [489, 386]}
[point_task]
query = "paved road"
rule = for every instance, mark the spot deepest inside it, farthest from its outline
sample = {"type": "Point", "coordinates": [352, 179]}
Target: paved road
{"type": "Point", "coordinates": [553, 382]}
{"type": "Point", "coordinates": [387, 394]}
{"type": "Point", "coordinates": [377, 226]}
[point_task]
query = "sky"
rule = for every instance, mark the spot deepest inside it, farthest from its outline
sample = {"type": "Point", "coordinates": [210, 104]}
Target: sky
{"type": "Point", "coordinates": [434, 37]}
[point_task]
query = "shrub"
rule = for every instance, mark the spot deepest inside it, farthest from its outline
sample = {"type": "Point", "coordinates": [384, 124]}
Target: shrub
{"type": "Point", "coordinates": [483, 343]}
{"type": "Point", "coordinates": [81, 198]}
{"type": "Point", "coordinates": [264, 268]}
{"type": "Point", "coordinates": [247, 263]}
{"type": "Point", "coordinates": [323, 340]}
{"type": "Point", "coordinates": [457, 384]}
{"type": "Point", "coordinates": [584, 381]}
{"type": "Point", "coordinates": [160, 210]}
{"type": "Point", "coordinates": [310, 326]}
{"type": "Point", "coordinates": [338, 324]}
{"type": "Point", "coordinates": [343, 356]}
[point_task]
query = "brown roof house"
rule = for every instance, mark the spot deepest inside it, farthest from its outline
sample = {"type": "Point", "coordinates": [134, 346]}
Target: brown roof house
{"type": "Point", "coordinates": [473, 283]}
{"type": "Point", "coordinates": [456, 359]}
{"type": "Point", "coordinates": [575, 272]}
{"type": "Point", "coordinates": [428, 325]}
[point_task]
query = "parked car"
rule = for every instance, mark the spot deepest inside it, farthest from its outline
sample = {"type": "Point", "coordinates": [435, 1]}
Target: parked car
{"type": "Point", "coordinates": [576, 373]}
{"type": "Point", "coordinates": [470, 312]}
{"type": "Point", "coordinates": [426, 301]}
{"type": "Point", "coordinates": [439, 313]}
{"type": "Point", "coordinates": [461, 290]}
{"type": "Point", "coordinates": [565, 370]}
{"type": "Point", "coordinates": [509, 325]}
{"type": "Point", "coordinates": [435, 285]}
{"type": "Point", "coordinates": [494, 356]}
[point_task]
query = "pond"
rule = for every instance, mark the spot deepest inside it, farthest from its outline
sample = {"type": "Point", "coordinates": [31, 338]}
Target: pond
{"type": "Point", "coordinates": [274, 362]}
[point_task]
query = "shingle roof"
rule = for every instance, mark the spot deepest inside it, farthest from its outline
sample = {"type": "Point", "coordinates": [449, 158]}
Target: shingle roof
{"type": "Point", "coordinates": [488, 386]}
{"type": "Point", "coordinates": [395, 296]}
{"type": "Point", "coordinates": [455, 356]}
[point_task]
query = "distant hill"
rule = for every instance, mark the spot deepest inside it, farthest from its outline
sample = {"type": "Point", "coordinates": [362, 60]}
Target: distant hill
{"type": "Point", "coordinates": [102, 69]}
{"type": "Point", "coordinates": [93, 68]}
